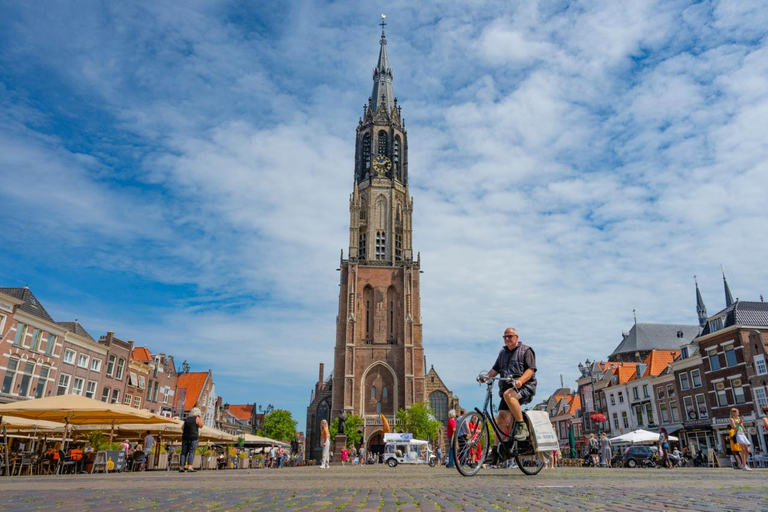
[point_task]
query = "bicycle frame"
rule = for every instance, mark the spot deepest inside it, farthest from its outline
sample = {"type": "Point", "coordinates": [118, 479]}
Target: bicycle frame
{"type": "Point", "coordinates": [487, 411]}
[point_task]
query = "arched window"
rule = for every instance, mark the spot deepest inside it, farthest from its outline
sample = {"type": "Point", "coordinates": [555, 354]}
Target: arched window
{"type": "Point", "coordinates": [385, 392]}
{"type": "Point", "coordinates": [367, 151]}
{"type": "Point", "coordinates": [373, 391]}
{"type": "Point", "coordinates": [362, 249]}
{"type": "Point", "coordinates": [368, 303]}
{"type": "Point", "coordinates": [396, 157]}
{"type": "Point", "coordinates": [438, 401]}
{"type": "Point", "coordinates": [382, 143]}
{"type": "Point", "coordinates": [378, 407]}
{"type": "Point", "coordinates": [392, 316]}
{"type": "Point", "coordinates": [323, 413]}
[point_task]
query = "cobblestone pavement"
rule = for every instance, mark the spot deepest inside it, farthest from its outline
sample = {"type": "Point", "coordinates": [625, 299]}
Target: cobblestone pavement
{"type": "Point", "coordinates": [404, 488]}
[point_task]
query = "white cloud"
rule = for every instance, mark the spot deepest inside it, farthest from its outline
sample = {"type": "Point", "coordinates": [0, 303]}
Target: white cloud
{"type": "Point", "coordinates": [567, 165]}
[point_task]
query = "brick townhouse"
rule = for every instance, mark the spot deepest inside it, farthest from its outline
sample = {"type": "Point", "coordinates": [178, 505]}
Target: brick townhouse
{"type": "Point", "coordinates": [115, 372]}
{"type": "Point", "coordinates": [30, 347]}
{"type": "Point", "coordinates": [82, 363]}
{"type": "Point", "coordinates": [196, 389]}
{"type": "Point", "coordinates": [160, 380]}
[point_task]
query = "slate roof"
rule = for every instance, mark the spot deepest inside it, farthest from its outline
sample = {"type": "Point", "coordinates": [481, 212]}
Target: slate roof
{"type": "Point", "coordinates": [739, 313]}
{"type": "Point", "coordinates": [646, 337]}
{"type": "Point", "coordinates": [76, 328]}
{"type": "Point", "coordinates": [31, 304]}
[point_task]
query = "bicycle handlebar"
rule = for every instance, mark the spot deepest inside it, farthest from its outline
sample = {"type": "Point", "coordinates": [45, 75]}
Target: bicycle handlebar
{"type": "Point", "coordinates": [490, 380]}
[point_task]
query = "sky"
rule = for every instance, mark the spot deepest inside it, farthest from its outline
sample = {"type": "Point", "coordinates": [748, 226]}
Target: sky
{"type": "Point", "coordinates": [179, 173]}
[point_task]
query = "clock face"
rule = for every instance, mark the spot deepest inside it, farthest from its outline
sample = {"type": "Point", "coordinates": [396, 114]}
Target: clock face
{"type": "Point", "coordinates": [381, 165]}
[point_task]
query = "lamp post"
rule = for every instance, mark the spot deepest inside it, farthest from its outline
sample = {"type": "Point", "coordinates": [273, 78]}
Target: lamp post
{"type": "Point", "coordinates": [587, 370]}
{"type": "Point", "coordinates": [264, 413]}
{"type": "Point", "coordinates": [184, 371]}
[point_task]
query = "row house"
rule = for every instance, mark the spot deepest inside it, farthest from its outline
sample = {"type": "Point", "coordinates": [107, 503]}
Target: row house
{"type": "Point", "coordinates": [564, 410]}
{"type": "Point", "coordinates": [82, 363]}
{"type": "Point", "coordinates": [640, 388]}
{"type": "Point", "coordinates": [732, 350]}
{"type": "Point", "coordinates": [240, 418]}
{"type": "Point", "coordinates": [196, 389]}
{"type": "Point", "coordinates": [115, 374]}
{"type": "Point", "coordinates": [617, 394]}
{"type": "Point", "coordinates": [30, 347]}
{"type": "Point", "coordinates": [137, 382]}
{"type": "Point", "coordinates": [160, 377]}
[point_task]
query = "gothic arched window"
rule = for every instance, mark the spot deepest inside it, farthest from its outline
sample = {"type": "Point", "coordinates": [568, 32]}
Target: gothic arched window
{"type": "Point", "coordinates": [385, 392]}
{"type": "Point", "coordinates": [373, 391]}
{"type": "Point", "coordinates": [368, 303]}
{"type": "Point", "coordinates": [396, 157]}
{"type": "Point", "coordinates": [382, 143]}
{"type": "Point", "coordinates": [438, 401]}
{"type": "Point", "coordinates": [378, 407]}
{"type": "Point", "coordinates": [367, 151]}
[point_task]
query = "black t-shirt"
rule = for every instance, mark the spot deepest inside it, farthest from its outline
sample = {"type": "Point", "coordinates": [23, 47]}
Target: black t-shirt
{"type": "Point", "coordinates": [190, 432]}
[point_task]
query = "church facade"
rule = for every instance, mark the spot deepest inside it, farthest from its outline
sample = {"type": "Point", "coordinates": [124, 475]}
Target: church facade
{"type": "Point", "coordinates": [379, 360]}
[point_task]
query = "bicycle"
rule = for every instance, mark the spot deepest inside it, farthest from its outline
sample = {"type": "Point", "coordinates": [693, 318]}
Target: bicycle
{"type": "Point", "coordinates": [471, 440]}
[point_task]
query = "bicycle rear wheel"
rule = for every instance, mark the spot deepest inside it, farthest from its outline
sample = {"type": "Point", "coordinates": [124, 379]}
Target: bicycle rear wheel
{"type": "Point", "coordinates": [470, 443]}
{"type": "Point", "coordinates": [529, 464]}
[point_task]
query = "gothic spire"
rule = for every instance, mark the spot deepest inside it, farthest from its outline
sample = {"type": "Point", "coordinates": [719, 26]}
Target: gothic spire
{"type": "Point", "coordinates": [728, 296]}
{"type": "Point", "coordinates": [382, 76]}
{"type": "Point", "coordinates": [701, 309]}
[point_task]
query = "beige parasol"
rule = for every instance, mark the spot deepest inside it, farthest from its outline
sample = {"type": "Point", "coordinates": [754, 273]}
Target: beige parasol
{"type": "Point", "coordinates": [79, 410]}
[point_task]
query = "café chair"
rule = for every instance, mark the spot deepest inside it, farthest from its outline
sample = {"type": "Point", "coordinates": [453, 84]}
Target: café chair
{"type": "Point", "coordinates": [139, 459]}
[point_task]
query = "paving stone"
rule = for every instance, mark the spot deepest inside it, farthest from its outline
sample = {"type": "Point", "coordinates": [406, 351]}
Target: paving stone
{"type": "Point", "coordinates": [401, 489]}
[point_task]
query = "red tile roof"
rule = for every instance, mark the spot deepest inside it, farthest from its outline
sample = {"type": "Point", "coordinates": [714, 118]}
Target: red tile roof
{"type": "Point", "coordinates": [193, 382]}
{"type": "Point", "coordinates": [241, 412]}
{"type": "Point", "coordinates": [141, 354]}
{"type": "Point", "coordinates": [658, 360]}
{"type": "Point", "coordinates": [625, 374]}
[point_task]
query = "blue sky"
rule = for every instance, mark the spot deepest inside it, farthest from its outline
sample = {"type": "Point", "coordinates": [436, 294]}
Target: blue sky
{"type": "Point", "coordinates": [179, 172]}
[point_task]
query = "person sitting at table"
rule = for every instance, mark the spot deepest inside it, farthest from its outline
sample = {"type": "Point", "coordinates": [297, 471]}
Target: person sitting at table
{"type": "Point", "coordinates": [76, 455]}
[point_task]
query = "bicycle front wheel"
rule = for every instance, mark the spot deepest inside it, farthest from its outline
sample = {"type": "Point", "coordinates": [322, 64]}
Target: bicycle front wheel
{"type": "Point", "coordinates": [470, 443]}
{"type": "Point", "coordinates": [529, 464]}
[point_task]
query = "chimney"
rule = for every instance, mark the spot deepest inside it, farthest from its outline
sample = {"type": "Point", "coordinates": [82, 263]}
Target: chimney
{"type": "Point", "coordinates": [322, 369]}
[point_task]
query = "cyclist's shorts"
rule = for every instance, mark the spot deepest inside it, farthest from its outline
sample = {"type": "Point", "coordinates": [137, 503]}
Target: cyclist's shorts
{"type": "Point", "coordinates": [524, 394]}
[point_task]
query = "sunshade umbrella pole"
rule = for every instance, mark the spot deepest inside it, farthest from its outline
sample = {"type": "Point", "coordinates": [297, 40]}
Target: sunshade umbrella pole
{"type": "Point", "coordinates": [112, 432]}
{"type": "Point", "coordinates": [34, 439]}
{"type": "Point", "coordinates": [5, 440]}
{"type": "Point", "coordinates": [66, 431]}
{"type": "Point", "coordinates": [157, 446]}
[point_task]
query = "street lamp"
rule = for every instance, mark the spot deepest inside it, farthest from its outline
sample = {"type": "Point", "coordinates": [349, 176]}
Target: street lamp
{"type": "Point", "coordinates": [264, 413]}
{"type": "Point", "coordinates": [184, 371]}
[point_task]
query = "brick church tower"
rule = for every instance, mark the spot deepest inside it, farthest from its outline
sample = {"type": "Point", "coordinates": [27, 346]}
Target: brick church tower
{"type": "Point", "coordinates": [379, 364]}
{"type": "Point", "coordinates": [379, 359]}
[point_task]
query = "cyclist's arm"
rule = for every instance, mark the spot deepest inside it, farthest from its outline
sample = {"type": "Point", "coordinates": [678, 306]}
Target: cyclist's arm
{"type": "Point", "coordinates": [489, 374]}
{"type": "Point", "coordinates": [527, 375]}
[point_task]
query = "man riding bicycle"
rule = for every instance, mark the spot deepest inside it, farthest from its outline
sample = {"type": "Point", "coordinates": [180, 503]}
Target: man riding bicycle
{"type": "Point", "coordinates": [517, 361]}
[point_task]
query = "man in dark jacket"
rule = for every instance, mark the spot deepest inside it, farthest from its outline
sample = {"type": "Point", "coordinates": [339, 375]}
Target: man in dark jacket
{"type": "Point", "coordinates": [517, 361]}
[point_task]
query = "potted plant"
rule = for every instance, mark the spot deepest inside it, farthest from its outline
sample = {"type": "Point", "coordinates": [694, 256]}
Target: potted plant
{"type": "Point", "coordinates": [231, 455]}
{"type": "Point", "coordinates": [242, 462]}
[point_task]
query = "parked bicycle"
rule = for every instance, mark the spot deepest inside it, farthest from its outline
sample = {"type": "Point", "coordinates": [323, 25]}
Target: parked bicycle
{"type": "Point", "coordinates": [472, 440]}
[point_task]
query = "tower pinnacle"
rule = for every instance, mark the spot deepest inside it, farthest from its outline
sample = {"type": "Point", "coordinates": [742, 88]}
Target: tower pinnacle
{"type": "Point", "coordinates": [728, 296]}
{"type": "Point", "coordinates": [382, 76]}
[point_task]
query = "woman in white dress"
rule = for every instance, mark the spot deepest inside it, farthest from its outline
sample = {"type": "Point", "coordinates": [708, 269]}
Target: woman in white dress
{"type": "Point", "coordinates": [325, 442]}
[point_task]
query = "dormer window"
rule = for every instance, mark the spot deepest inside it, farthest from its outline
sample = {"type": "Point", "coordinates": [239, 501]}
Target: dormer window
{"type": "Point", "coordinates": [684, 353]}
{"type": "Point", "coordinates": [716, 324]}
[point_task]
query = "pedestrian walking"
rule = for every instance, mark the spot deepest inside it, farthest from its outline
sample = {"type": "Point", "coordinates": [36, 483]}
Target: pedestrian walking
{"type": "Point", "coordinates": [189, 437]}
{"type": "Point", "coordinates": [737, 423]}
{"type": "Point", "coordinates": [325, 442]}
{"type": "Point", "coordinates": [664, 447]}
{"type": "Point", "coordinates": [594, 450]}
{"type": "Point", "coordinates": [605, 449]}
{"type": "Point", "coordinates": [344, 456]}
{"type": "Point", "coordinates": [450, 430]}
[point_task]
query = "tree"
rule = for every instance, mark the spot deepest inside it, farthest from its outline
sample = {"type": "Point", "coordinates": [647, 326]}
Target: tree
{"type": "Point", "coordinates": [419, 420]}
{"type": "Point", "coordinates": [279, 425]}
{"type": "Point", "coordinates": [353, 429]}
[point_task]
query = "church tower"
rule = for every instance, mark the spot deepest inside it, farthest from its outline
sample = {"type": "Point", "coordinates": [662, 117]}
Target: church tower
{"type": "Point", "coordinates": [379, 358]}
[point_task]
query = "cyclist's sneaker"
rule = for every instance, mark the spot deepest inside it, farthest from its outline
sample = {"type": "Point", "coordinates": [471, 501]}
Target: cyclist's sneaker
{"type": "Point", "coordinates": [521, 432]}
